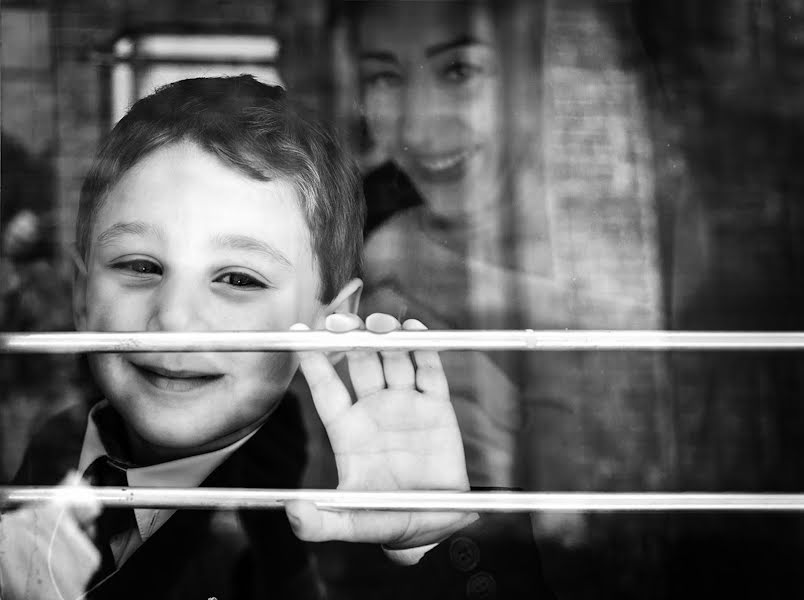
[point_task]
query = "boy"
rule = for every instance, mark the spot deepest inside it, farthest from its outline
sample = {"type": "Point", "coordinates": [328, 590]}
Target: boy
{"type": "Point", "coordinates": [214, 205]}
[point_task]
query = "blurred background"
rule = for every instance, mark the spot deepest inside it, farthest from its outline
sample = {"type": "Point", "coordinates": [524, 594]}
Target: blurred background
{"type": "Point", "coordinates": [606, 164]}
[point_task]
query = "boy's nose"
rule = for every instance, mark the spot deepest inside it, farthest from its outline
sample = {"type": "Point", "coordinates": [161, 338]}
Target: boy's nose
{"type": "Point", "coordinates": [175, 308]}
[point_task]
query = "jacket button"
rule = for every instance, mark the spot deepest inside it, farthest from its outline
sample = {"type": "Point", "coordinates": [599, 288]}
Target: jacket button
{"type": "Point", "coordinates": [464, 554]}
{"type": "Point", "coordinates": [481, 586]}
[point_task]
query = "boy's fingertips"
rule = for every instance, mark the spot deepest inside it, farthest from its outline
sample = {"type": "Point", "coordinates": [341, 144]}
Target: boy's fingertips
{"type": "Point", "coordinates": [86, 513]}
{"type": "Point", "coordinates": [294, 511]}
{"type": "Point", "coordinates": [72, 478]}
{"type": "Point", "coordinates": [299, 327]}
{"type": "Point", "coordinates": [382, 323]}
{"type": "Point", "coordinates": [341, 322]}
{"type": "Point", "coordinates": [414, 325]}
{"type": "Point", "coordinates": [295, 522]}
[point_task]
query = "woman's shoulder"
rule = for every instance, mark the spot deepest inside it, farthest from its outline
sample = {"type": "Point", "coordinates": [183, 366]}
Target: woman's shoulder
{"type": "Point", "coordinates": [399, 226]}
{"type": "Point", "coordinates": [398, 242]}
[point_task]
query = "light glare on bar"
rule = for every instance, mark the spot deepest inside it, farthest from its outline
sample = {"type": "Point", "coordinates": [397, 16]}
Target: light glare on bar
{"type": "Point", "coordinates": [270, 341]}
{"type": "Point", "coordinates": [496, 502]}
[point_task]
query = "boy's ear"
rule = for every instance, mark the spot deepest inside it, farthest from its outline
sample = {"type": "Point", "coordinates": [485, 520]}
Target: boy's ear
{"type": "Point", "coordinates": [347, 300]}
{"type": "Point", "coordinates": [79, 294]}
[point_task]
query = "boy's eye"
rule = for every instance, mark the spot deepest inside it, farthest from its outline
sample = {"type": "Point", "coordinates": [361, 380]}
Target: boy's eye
{"type": "Point", "coordinates": [241, 280]}
{"type": "Point", "coordinates": [138, 266]}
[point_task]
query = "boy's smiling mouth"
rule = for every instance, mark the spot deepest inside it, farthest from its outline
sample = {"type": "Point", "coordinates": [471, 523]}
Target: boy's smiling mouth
{"type": "Point", "coordinates": [175, 380]}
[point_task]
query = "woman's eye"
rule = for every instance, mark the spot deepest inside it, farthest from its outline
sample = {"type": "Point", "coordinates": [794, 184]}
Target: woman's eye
{"type": "Point", "coordinates": [241, 280]}
{"type": "Point", "coordinates": [138, 267]}
{"type": "Point", "coordinates": [459, 71]}
{"type": "Point", "coordinates": [382, 79]}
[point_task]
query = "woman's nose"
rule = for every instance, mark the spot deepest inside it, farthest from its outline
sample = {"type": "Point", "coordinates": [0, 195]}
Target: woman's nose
{"type": "Point", "coordinates": [424, 109]}
{"type": "Point", "coordinates": [175, 307]}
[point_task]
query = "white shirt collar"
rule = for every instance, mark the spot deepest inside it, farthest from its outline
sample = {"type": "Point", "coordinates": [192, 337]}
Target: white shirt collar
{"type": "Point", "coordinates": [185, 472]}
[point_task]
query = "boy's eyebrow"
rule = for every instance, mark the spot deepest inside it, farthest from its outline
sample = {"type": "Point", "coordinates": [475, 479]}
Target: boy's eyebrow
{"type": "Point", "coordinates": [248, 243]}
{"type": "Point", "coordinates": [118, 230]}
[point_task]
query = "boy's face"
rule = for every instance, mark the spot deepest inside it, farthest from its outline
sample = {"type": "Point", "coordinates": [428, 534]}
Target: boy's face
{"type": "Point", "coordinates": [185, 243]}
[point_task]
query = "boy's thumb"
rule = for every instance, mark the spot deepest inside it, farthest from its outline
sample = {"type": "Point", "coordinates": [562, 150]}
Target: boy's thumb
{"type": "Point", "coordinates": [306, 521]}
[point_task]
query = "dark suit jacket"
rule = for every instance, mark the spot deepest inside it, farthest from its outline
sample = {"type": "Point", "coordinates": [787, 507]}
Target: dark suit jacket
{"type": "Point", "coordinates": [254, 554]}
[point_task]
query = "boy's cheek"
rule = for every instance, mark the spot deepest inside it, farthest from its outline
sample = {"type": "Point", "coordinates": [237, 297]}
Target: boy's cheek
{"type": "Point", "coordinates": [118, 314]}
{"type": "Point", "coordinates": [273, 370]}
{"type": "Point", "coordinates": [294, 304]}
{"type": "Point", "coordinates": [108, 309]}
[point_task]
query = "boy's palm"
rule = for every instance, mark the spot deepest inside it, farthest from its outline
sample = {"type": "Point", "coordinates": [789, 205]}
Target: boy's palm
{"type": "Point", "coordinates": [400, 434]}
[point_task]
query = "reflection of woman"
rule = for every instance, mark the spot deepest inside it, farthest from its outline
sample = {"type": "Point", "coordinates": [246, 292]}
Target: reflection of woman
{"type": "Point", "coordinates": [431, 81]}
{"type": "Point", "coordinates": [433, 100]}
{"type": "Point", "coordinates": [451, 92]}
{"type": "Point", "coordinates": [493, 147]}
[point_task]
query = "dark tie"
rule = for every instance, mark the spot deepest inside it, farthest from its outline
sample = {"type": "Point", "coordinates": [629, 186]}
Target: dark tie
{"type": "Point", "coordinates": [112, 521]}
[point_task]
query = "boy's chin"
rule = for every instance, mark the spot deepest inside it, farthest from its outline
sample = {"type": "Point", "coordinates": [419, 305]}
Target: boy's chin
{"type": "Point", "coordinates": [161, 440]}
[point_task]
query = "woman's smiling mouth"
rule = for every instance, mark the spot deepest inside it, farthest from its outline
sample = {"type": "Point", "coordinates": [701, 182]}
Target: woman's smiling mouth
{"type": "Point", "coordinates": [171, 380]}
{"type": "Point", "coordinates": [438, 168]}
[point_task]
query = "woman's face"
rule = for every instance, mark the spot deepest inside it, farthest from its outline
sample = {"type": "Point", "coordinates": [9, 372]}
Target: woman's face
{"type": "Point", "coordinates": [431, 89]}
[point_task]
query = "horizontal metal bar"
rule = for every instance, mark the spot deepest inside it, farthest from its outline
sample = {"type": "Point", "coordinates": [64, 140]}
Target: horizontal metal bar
{"type": "Point", "coordinates": [229, 498]}
{"type": "Point", "coordinates": [528, 339]}
{"type": "Point", "coordinates": [167, 59]}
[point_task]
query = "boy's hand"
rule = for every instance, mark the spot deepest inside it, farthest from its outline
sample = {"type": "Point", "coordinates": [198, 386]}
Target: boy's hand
{"type": "Point", "coordinates": [400, 434]}
{"type": "Point", "coordinates": [46, 550]}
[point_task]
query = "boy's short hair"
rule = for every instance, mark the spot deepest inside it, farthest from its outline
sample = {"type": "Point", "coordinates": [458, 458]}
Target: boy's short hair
{"type": "Point", "coordinates": [255, 129]}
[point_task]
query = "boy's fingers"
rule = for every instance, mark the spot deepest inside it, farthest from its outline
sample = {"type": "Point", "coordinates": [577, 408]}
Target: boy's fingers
{"type": "Point", "coordinates": [329, 394]}
{"type": "Point", "coordinates": [343, 322]}
{"type": "Point", "coordinates": [397, 366]}
{"type": "Point", "coordinates": [430, 377]}
{"type": "Point", "coordinates": [313, 525]}
{"type": "Point", "coordinates": [310, 524]}
{"type": "Point", "coordinates": [86, 512]}
{"type": "Point", "coordinates": [305, 520]}
{"type": "Point", "coordinates": [51, 514]}
{"type": "Point", "coordinates": [75, 539]}
{"type": "Point", "coordinates": [340, 323]}
{"type": "Point", "coordinates": [365, 368]}
{"type": "Point", "coordinates": [381, 323]}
